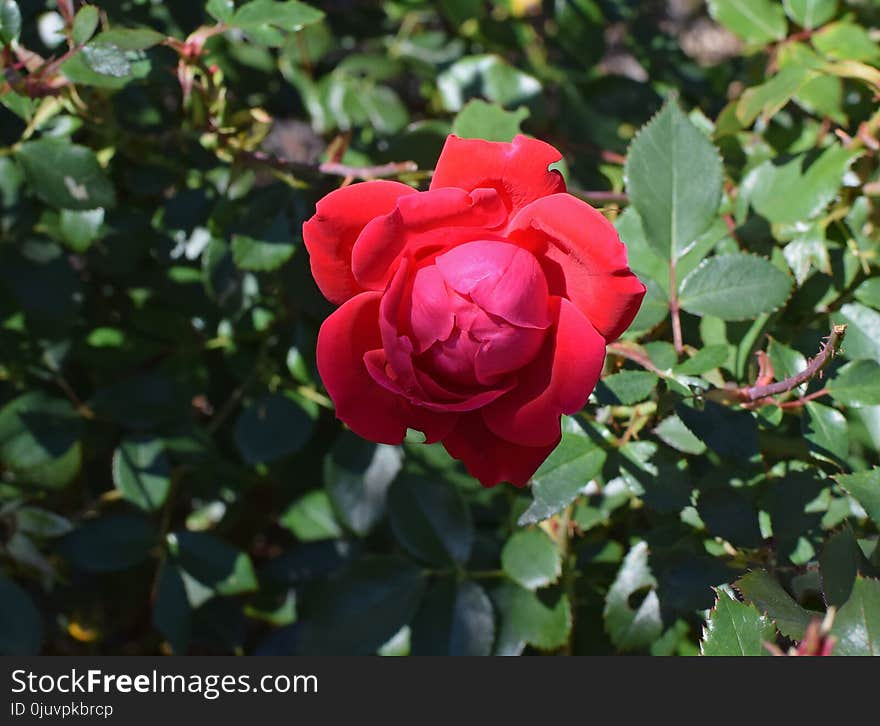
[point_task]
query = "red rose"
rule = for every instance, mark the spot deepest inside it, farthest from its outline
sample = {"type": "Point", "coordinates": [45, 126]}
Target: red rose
{"type": "Point", "coordinates": [476, 312]}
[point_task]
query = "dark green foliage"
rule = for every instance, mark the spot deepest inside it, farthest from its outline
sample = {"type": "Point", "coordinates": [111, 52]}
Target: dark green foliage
{"type": "Point", "coordinates": [172, 475]}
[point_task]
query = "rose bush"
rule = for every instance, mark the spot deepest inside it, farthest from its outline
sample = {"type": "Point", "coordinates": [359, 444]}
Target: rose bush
{"type": "Point", "coordinates": [476, 312]}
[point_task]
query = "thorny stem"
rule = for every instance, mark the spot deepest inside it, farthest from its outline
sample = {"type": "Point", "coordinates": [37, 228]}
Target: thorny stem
{"type": "Point", "coordinates": [599, 196]}
{"type": "Point", "coordinates": [635, 354]}
{"type": "Point", "coordinates": [674, 310]}
{"type": "Point", "coordinates": [329, 168]}
{"type": "Point", "coordinates": [829, 348]}
{"type": "Point", "coordinates": [798, 402]}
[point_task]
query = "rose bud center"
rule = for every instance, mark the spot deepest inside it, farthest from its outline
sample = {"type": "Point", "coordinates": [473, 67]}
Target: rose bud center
{"type": "Point", "coordinates": [479, 312]}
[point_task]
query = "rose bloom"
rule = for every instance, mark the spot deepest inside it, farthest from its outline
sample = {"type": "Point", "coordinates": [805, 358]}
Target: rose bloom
{"type": "Point", "coordinates": [476, 312]}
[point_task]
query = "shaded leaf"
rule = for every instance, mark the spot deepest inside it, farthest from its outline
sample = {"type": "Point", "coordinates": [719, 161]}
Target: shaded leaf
{"type": "Point", "coordinates": [430, 519]}
{"type": "Point", "coordinates": [361, 607]}
{"type": "Point", "coordinates": [764, 591]}
{"type": "Point", "coordinates": [65, 175]}
{"type": "Point", "coordinates": [455, 618]}
{"type": "Point", "coordinates": [142, 472]}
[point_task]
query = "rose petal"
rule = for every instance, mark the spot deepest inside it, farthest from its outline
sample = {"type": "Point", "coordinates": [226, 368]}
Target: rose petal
{"type": "Point", "coordinates": [506, 349]}
{"type": "Point", "coordinates": [331, 233]}
{"type": "Point", "coordinates": [431, 313]}
{"type": "Point", "coordinates": [370, 410]}
{"type": "Point", "coordinates": [518, 170]}
{"type": "Point", "coordinates": [420, 225]}
{"type": "Point", "coordinates": [558, 381]}
{"type": "Point", "coordinates": [583, 259]}
{"type": "Point", "coordinates": [501, 278]}
{"type": "Point", "coordinates": [491, 459]}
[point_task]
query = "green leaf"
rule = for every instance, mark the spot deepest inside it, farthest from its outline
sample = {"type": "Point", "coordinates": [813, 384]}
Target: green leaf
{"type": "Point", "coordinates": [559, 480]}
{"type": "Point", "coordinates": [85, 24]}
{"type": "Point", "coordinates": [106, 60]}
{"type": "Point", "coordinates": [724, 430]}
{"type": "Point", "coordinates": [857, 624]}
{"type": "Point", "coordinates": [263, 19]}
{"type": "Point", "coordinates": [674, 433]}
{"type": "Point", "coordinates": [489, 76]}
{"type": "Point", "coordinates": [862, 332]}
{"type": "Point", "coordinates": [705, 359]}
{"type": "Point", "coordinates": [430, 519]}
{"type": "Point", "coordinates": [764, 591]}
{"type": "Point", "coordinates": [272, 428]}
{"type": "Point", "coordinates": [10, 21]}
{"type": "Point", "coordinates": [110, 543]}
{"type": "Point", "coordinates": [21, 626]}
{"type": "Point", "coordinates": [222, 10]}
{"type": "Point", "coordinates": [455, 618]}
{"type": "Point", "coordinates": [673, 175]}
{"type": "Point", "coordinates": [142, 472]}
{"type": "Point", "coordinates": [810, 14]}
{"type": "Point", "coordinates": [310, 518]}
{"type": "Point", "coordinates": [65, 175]}
{"type": "Point", "coordinates": [625, 388]}
{"type": "Point", "coordinates": [734, 287]}
{"type": "Point", "coordinates": [629, 627]}
{"type": "Point", "coordinates": [857, 384]}
{"type": "Point", "coordinates": [792, 192]}
{"type": "Point", "coordinates": [362, 607]}
{"type": "Point", "coordinates": [838, 566]}
{"type": "Point", "coordinates": [39, 440]}
{"type": "Point", "coordinates": [757, 22]}
{"type": "Point", "coordinates": [41, 523]}
{"type": "Point", "coordinates": [768, 98]}
{"type": "Point", "coordinates": [735, 628]}
{"type": "Point", "coordinates": [114, 67]}
{"type": "Point", "coordinates": [655, 306]}
{"type": "Point", "coordinates": [357, 474]}
{"type": "Point", "coordinates": [864, 487]}
{"type": "Point", "coordinates": [728, 513]}
{"type": "Point", "coordinates": [259, 255]}
{"type": "Point", "coordinates": [172, 615]}
{"type": "Point", "coordinates": [531, 559]}
{"type": "Point", "coordinates": [825, 430]}
{"type": "Point", "coordinates": [130, 39]}
{"type": "Point", "coordinates": [543, 621]}
{"type": "Point", "coordinates": [806, 252]}
{"type": "Point", "coordinates": [869, 292]}
{"type": "Point", "coordinates": [481, 120]}
{"type": "Point", "coordinates": [844, 40]}
{"type": "Point", "coordinates": [216, 565]}
{"type": "Point", "coordinates": [80, 228]}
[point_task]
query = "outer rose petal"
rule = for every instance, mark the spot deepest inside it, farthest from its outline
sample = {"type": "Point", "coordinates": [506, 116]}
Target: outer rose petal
{"type": "Point", "coordinates": [583, 259]}
{"type": "Point", "coordinates": [420, 224]}
{"type": "Point", "coordinates": [518, 170]}
{"type": "Point", "coordinates": [558, 381]}
{"type": "Point", "coordinates": [331, 233]}
{"type": "Point", "coordinates": [370, 410]}
{"type": "Point", "coordinates": [492, 459]}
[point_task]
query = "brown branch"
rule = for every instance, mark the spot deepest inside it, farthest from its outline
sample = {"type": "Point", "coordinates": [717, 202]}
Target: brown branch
{"type": "Point", "coordinates": [636, 354]}
{"type": "Point", "coordinates": [328, 168]}
{"type": "Point", "coordinates": [830, 346]}
{"type": "Point", "coordinates": [599, 196]}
